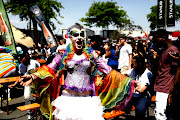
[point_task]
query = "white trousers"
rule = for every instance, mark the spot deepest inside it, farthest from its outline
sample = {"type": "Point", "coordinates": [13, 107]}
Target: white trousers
{"type": "Point", "coordinates": [161, 103]}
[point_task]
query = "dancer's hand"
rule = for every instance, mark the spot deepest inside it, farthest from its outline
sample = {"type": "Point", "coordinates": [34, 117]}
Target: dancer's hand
{"type": "Point", "coordinates": [26, 80]}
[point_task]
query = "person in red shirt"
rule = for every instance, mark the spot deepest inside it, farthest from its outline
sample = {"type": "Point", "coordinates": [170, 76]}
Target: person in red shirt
{"type": "Point", "coordinates": [166, 73]}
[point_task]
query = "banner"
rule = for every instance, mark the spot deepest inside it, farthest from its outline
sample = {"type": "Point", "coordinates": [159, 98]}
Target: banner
{"type": "Point", "coordinates": [170, 13]}
{"type": "Point", "coordinates": [161, 13]}
{"type": "Point", "coordinates": [6, 34]}
{"type": "Point", "coordinates": [44, 25]}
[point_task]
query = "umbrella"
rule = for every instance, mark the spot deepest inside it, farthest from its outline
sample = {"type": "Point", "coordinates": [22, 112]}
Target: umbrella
{"type": "Point", "coordinates": [21, 38]}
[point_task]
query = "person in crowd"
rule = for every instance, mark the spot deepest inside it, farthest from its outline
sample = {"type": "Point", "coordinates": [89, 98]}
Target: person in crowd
{"type": "Point", "coordinates": [27, 66]}
{"type": "Point", "coordinates": [166, 73]}
{"type": "Point", "coordinates": [51, 53]}
{"type": "Point", "coordinates": [20, 52]}
{"type": "Point", "coordinates": [106, 46]}
{"type": "Point", "coordinates": [77, 66]}
{"type": "Point", "coordinates": [106, 49]}
{"type": "Point", "coordinates": [30, 51]}
{"type": "Point", "coordinates": [7, 65]}
{"type": "Point", "coordinates": [141, 97]}
{"type": "Point", "coordinates": [53, 50]}
{"type": "Point", "coordinates": [58, 44]}
{"type": "Point", "coordinates": [42, 51]}
{"type": "Point", "coordinates": [62, 46]}
{"type": "Point", "coordinates": [34, 52]}
{"type": "Point", "coordinates": [174, 95]}
{"type": "Point", "coordinates": [154, 55]}
{"type": "Point", "coordinates": [125, 55]}
{"type": "Point", "coordinates": [19, 49]}
{"type": "Point", "coordinates": [48, 51]}
{"type": "Point", "coordinates": [146, 48]}
{"type": "Point", "coordinates": [112, 57]}
{"type": "Point", "coordinates": [140, 47]}
{"type": "Point", "coordinates": [96, 44]}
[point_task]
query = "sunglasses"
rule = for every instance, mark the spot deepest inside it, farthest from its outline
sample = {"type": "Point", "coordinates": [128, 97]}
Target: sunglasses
{"type": "Point", "coordinates": [76, 34]}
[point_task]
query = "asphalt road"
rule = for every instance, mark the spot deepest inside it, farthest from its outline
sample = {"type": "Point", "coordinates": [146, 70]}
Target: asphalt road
{"type": "Point", "coordinates": [18, 100]}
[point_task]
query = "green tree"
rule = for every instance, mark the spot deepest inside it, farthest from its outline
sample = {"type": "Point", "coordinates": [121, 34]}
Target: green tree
{"type": "Point", "coordinates": [103, 14]}
{"type": "Point", "coordinates": [153, 16]}
{"type": "Point", "coordinates": [50, 9]}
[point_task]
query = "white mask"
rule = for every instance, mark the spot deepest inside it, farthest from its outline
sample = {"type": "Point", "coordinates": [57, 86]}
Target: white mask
{"type": "Point", "coordinates": [77, 37]}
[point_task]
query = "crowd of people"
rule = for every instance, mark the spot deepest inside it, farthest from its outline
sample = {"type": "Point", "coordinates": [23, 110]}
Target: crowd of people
{"type": "Point", "coordinates": [131, 75]}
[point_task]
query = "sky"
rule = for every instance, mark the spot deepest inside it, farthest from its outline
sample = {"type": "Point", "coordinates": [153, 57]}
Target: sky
{"type": "Point", "coordinates": [74, 10]}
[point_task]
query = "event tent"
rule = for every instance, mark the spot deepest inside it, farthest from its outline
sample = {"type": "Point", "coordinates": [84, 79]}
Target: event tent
{"type": "Point", "coordinates": [21, 38]}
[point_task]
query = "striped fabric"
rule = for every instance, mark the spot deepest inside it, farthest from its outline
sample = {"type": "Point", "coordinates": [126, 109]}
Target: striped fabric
{"type": "Point", "coordinates": [7, 63]}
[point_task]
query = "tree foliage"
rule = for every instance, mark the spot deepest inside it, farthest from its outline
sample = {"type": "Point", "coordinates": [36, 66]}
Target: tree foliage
{"type": "Point", "coordinates": [50, 9]}
{"type": "Point", "coordinates": [103, 14]}
{"type": "Point", "coordinates": [153, 16]}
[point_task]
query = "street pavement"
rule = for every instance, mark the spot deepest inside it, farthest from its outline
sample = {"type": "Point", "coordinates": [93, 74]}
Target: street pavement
{"type": "Point", "coordinates": [18, 100]}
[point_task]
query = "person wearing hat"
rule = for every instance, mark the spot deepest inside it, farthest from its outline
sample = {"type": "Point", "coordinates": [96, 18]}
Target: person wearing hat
{"type": "Point", "coordinates": [7, 65]}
